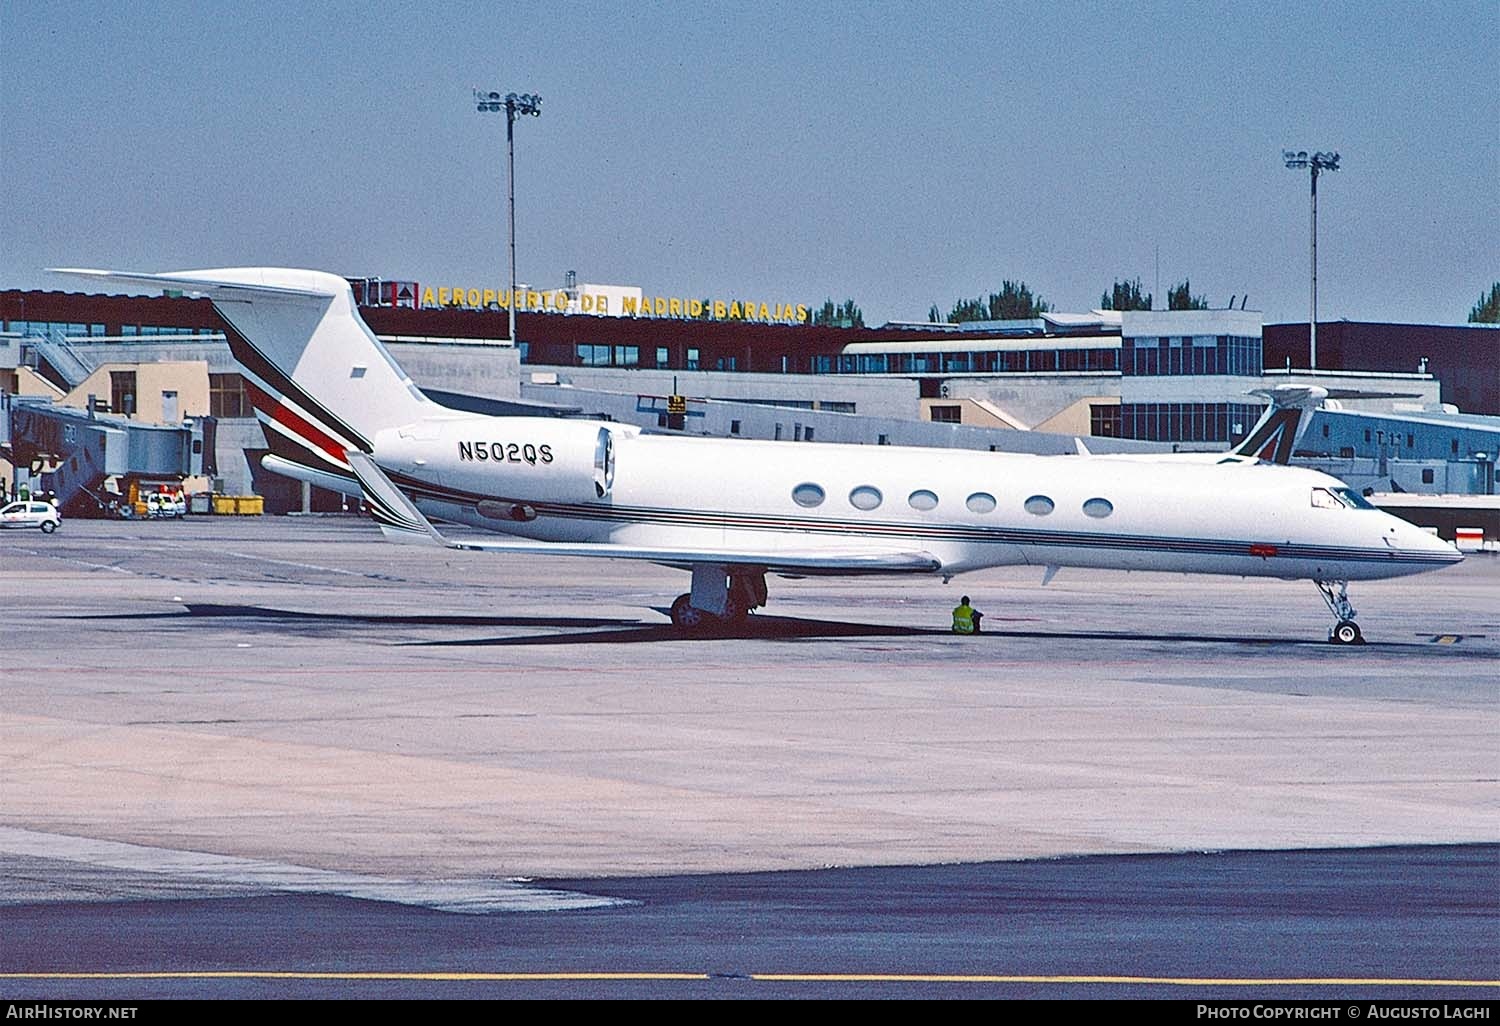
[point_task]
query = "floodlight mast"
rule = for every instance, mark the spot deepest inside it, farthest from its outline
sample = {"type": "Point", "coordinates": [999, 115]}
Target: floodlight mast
{"type": "Point", "coordinates": [1296, 160]}
{"type": "Point", "coordinates": [514, 106]}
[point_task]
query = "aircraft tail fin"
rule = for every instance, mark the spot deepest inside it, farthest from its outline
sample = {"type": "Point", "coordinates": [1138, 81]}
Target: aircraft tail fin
{"type": "Point", "coordinates": [320, 381]}
{"type": "Point", "coordinates": [1274, 436]}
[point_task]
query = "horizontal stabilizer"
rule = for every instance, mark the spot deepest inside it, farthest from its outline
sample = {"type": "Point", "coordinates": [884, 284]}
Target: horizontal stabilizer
{"type": "Point", "coordinates": [222, 284]}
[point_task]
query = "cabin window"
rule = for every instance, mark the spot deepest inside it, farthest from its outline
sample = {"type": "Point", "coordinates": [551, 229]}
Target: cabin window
{"type": "Point", "coordinates": [1098, 508]}
{"type": "Point", "coordinates": [1040, 505]}
{"type": "Point", "coordinates": [922, 499]}
{"type": "Point", "coordinates": [865, 497]}
{"type": "Point", "coordinates": [980, 502]}
{"type": "Point", "coordinates": [807, 494]}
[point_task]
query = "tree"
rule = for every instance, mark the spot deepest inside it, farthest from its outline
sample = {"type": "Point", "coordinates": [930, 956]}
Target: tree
{"type": "Point", "coordinates": [969, 310]}
{"type": "Point", "coordinates": [1013, 302]}
{"type": "Point", "coordinates": [1126, 295]}
{"type": "Point", "coordinates": [845, 315]}
{"type": "Point", "coordinates": [1487, 310]}
{"type": "Point", "coordinates": [1180, 297]}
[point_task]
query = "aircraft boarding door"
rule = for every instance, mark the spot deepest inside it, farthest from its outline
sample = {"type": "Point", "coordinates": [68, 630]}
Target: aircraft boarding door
{"type": "Point", "coordinates": [604, 463]}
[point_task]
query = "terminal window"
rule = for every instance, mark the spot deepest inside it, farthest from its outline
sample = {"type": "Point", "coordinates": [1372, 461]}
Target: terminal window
{"type": "Point", "coordinates": [122, 392]}
{"type": "Point", "coordinates": [226, 396]}
{"type": "Point", "coordinates": [947, 415]}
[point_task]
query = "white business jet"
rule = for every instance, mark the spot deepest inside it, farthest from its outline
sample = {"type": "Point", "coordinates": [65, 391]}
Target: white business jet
{"type": "Point", "coordinates": [339, 412]}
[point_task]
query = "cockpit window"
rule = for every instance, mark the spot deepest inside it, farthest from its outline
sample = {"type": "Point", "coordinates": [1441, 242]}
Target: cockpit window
{"type": "Point", "coordinates": [1339, 498]}
{"type": "Point", "coordinates": [1322, 498]}
{"type": "Point", "coordinates": [1353, 499]}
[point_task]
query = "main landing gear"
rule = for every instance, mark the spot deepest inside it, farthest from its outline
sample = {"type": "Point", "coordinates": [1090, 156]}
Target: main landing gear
{"type": "Point", "coordinates": [721, 597]}
{"type": "Point", "coordinates": [1345, 631]}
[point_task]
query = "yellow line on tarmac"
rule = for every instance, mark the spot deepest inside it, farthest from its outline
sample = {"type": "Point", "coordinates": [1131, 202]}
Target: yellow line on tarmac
{"type": "Point", "coordinates": [482, 977]}
{"type": "Point", "coordinates": [1169, 981]}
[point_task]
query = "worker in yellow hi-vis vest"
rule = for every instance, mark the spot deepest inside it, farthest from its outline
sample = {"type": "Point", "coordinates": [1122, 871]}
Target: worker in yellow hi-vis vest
{"type": "Point", "coordinates": [966, 618]}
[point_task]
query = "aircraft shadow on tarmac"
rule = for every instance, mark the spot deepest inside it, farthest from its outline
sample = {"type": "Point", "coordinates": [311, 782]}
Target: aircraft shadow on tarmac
{"type": "Point", "coordinates": [783, 628]}
{"type": "Point", "coordinates": [290, 616]}
{"type": "Point", "coordinates": [576, 630]}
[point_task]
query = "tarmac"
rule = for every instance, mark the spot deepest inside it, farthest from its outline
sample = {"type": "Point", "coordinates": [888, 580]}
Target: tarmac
{"type": "Point", "coordinates": [236, 705]}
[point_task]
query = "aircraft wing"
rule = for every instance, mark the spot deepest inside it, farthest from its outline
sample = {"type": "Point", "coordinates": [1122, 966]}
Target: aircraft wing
{"type": "Point", "coordinates": [811, 562]}
{"type": "Point", "coordinates": [401, 521]}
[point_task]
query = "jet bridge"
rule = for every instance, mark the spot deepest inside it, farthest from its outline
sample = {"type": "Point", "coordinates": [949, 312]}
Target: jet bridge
{"type": "Point", "coordinates": [88, 460]}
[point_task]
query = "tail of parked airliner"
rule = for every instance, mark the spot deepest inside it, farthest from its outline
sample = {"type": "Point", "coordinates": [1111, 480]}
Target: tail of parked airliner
{"type": "Point", "coordinates": [1274, 436]}
{"type": "Point", "coordinates": [320, 381]}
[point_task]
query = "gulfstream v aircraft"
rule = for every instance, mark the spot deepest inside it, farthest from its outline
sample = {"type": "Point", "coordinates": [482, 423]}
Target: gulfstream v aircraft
{"type": "Point", "coordinates": [339, 412]}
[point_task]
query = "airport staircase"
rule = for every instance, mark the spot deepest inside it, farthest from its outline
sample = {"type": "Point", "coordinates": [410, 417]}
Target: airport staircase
{"type": "Point", "coordinates": [69, 369]}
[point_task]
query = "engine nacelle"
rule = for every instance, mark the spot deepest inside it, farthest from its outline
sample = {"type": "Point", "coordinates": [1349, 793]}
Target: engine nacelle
{"type": "Point", "coordinates": [506, 463]}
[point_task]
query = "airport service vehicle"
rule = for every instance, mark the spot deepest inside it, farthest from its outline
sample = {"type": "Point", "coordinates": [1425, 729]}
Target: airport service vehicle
{"type": "Point", "coordinates": [339, 412]}
{"type": "Point", "coordinates": [31, 514]}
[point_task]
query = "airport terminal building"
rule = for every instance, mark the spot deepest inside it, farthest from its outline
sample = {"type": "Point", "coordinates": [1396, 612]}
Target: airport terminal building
{"type": "Point", "coordinates": [1131, 380]}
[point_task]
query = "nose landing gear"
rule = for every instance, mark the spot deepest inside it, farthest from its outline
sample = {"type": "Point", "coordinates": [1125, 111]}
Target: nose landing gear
{"type": "Point", "coordinates": [1345, 631]}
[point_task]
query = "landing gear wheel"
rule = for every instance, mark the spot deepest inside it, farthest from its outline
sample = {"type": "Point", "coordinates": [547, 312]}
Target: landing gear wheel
{"type": "Point", "coordinates": [1346, 632]}
{"type": "Point", "coordinates": [734, 611]}
{"type": "Point", "coordinates": [687, 617]}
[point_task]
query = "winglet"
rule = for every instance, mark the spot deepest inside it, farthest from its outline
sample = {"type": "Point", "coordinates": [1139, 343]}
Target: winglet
{"type": "Point", "coordinates": [398, 517]}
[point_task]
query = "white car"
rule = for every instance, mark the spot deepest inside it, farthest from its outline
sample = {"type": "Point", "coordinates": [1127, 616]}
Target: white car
{"type": "Point", "coordinates": [31, 514]}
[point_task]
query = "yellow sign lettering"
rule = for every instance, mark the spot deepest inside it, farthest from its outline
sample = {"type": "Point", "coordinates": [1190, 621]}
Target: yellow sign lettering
{"type": "Point", "coordinates": [558, 300]}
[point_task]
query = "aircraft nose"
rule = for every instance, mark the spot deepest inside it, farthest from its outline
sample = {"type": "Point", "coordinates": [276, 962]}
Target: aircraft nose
{"type": "Point", "coordinates": [1415, 539]}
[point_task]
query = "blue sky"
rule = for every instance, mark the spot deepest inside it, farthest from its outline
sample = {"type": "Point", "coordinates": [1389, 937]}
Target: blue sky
{"type": "Point", "coordinates": [898, 154]}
